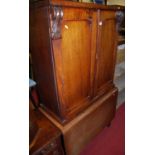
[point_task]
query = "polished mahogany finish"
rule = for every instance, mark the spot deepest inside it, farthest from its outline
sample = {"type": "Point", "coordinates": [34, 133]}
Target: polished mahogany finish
{"type": "Point", "coordinates": [73, 49]}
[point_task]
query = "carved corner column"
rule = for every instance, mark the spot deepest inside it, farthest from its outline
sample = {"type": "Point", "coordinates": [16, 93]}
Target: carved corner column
{"type": "Point", "coordinates": [119, 19]}
{"type": "Point", "coordinates": [56, 15]}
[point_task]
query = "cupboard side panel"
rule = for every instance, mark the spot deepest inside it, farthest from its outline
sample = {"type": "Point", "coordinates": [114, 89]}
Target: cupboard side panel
{"type": "Point", "coordinates": [42, 58]}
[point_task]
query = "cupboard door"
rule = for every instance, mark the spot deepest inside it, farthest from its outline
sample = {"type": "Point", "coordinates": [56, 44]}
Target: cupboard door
{"type": "Point", "coordinates": [106, 51]}
{"type": "Point", "coordinates": [74, 54]}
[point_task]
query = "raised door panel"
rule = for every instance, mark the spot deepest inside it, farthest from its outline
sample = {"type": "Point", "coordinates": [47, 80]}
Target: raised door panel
{"type": "Point", "coordinates": [106, 51]}
{"type": "Point", "coordinates": [73, 54]}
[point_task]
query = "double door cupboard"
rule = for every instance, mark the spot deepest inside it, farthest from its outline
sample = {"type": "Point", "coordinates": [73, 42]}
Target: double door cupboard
{"type": "Point", "coordinates": [73, 47]}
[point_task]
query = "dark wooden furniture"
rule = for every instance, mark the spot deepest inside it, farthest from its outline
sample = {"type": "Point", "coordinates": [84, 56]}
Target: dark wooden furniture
{"type": "Point", "coordinates": [44, 137]}
{"type": "Point", "coordinates": [73, 49]}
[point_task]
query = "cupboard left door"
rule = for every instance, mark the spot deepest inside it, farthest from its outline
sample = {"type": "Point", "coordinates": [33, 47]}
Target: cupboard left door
{"type": "Point", "coordinates": [74, 56]}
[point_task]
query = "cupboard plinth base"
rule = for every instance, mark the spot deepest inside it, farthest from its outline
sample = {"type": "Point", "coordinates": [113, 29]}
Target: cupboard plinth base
{"type": "Point", "coordinates": [82, 129]}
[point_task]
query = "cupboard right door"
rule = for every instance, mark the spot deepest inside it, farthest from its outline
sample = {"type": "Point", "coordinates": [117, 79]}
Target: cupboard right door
{"type": "Point", "coordinates": [106, 51]}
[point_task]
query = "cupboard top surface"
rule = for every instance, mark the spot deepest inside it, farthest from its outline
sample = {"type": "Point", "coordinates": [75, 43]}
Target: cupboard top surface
{"type": "Point", "coordinates": [67, 3]}
{"type": "Point", "coordinates": [84, 5]}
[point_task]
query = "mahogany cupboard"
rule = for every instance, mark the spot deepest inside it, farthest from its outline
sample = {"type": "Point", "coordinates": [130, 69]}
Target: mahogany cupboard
{"type": "Point", "coordinates": [73, 48]}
